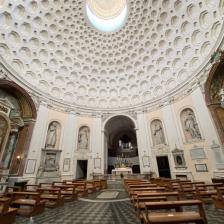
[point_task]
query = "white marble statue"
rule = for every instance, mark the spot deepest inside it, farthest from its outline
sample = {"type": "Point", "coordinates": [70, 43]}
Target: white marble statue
{"type": "Point", "coordinates": [83, 139]}
{"type": "Point", "coordinates": [221, 94]}
{"type": "Point", "coordinates": [3, 128]}
{"type": "Point", "coordinates": [191, 125]}
{"type": "Point", "coordinates": [51, 135]}
{"type": "Point", "coordinates": [157, 132]}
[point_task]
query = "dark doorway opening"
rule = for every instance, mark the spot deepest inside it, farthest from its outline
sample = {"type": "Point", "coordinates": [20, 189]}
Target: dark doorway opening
{"type": "Point", "coordinates": [163, 166]}
{"type": "Point", "coordinates": [81, 171]}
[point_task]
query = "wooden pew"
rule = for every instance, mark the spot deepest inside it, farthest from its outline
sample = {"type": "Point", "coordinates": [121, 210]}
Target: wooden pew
{"type": "Point", "coordinates": [142, 197]}
{"type": "Point", "coordinates": [133, 191]}
{"type": "Point", "coordinates": [31, 187]}
{"type": "Point", "coordinates": [28, 203]}
{"type": "Point", "coordinates": [218, 199]}
{"type": "Point", "coordinates": [98, 184]}
{"type": "Point", "coordinates": [52, 196]}
{"type": "Point", "coordinates": [103, 183]}
{"type": "Point", "coordinates": [206, 191]}
{"type": "Point", "coordinates": [9, 190]}
{"type": "Point", "coordinates": [80, 187]}
{"type": "Point", "coordinates": [179, 216]}
{"type": "Point", "coordinates": [7, 214]}
{"type": "Point", "coordinates": [90, 186]}
{"type": "Point", "coordinates": [188, 189]}
{"type": "Point", "coordinates": [68, 191]}
{"type": "Point", "coordinates": [174, 185]}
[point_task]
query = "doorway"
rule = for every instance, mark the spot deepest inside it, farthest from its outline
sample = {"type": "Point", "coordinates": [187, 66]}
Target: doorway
{"type": "Point", "coordinates": [163, 166]}
{"type": "Point", "coordinates": [81, 171]}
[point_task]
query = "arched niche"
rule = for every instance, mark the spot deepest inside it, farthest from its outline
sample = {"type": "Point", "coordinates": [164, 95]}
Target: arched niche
{"type": "Point", "coordinates": [190, 125]}
{"type": "Point", "coordinates": [157, 131]}
{"type": "Point", "coordinates": [4, 134]}
{"type": "Point", "coordinates": [84, 138]}
{"type": "Point", "coordinates": [120, 144]}
{"type": "Point", "coordinates": [20, 110]}
{"type": "Point", "coordinates": [53, 135]}
{"type": "Point", "coordinates": [213, 85]}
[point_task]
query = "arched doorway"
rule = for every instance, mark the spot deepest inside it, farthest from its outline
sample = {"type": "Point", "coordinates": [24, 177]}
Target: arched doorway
{"type": "Point", "coordinates": [213, 87]}
{"type": "Point", "coordinates": [18, 108]}
{"type": "Point", "coordinates": [120, 144]}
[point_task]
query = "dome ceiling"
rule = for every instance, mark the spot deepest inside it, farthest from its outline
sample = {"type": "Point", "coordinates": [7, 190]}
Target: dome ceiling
{"type": "Point", "coordinates": [55, 51]}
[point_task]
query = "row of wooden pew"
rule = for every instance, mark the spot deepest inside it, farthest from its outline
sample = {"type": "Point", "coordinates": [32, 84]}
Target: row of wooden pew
{"type": "Point", "coordinates": [165, 195]}
{"type": "Point", "coordinates": [33, 198]}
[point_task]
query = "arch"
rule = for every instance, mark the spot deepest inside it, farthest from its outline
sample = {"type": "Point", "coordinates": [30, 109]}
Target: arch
{"type": "Point", "coordinates": [22, 124]}
{"type": "Point", "coordinates": [120, 141]}
{"type": "Point", "coordinates": [27, 105]}
{"type": "Point", "coordinates": [117, 115]}
{"type": "Point", "coordinates": [214, 83]}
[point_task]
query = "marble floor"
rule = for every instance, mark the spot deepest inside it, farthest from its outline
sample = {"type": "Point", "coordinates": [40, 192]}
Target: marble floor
{"type": "Point", "coordinates": [102, 210]}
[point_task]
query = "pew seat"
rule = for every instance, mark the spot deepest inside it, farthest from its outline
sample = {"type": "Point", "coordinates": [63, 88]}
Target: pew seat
{"type": "Point", "coordinates": [52, 196]}
{"type": "Point", "coordinates": [7, 214]}
{"type": "Point", "coordinates": [28, 203]}
{"type": "Point", "coordinates": [177, 216]}
{"type": "Point", "coordinates": [218, 199]}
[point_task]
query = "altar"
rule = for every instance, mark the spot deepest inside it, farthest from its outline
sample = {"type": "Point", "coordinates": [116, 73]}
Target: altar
{"type": "Point", "coordinates": [123, 170]}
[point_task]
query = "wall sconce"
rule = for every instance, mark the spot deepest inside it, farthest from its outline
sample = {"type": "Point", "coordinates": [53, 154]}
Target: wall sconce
{"type": "Point", "coordinates": [18, 158]}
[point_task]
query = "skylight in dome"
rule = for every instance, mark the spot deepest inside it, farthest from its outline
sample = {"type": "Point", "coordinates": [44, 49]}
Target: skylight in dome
{"type": "Point", "coordinates": [107, 25]}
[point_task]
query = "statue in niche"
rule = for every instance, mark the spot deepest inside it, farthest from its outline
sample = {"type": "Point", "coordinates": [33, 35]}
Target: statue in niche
{"type": "Point", "coordinates": [9, 149]}
{"type": "Point", "coordinates": [190, 125]}
{"type": "Point", "coordinates": [83, 138]}
{"type": "Point", "coordinates": [52, 135]}
{"type": "Point", "coordinates": [157, 132]}
{"type": "Point", "coordinates": [221, 94]}
{"type": "Point", "coordinates": [217, 88]}
{"type": "Point", "coordinates": [3, 129]}
{"type": "Point", "coordinates": [179, 160]}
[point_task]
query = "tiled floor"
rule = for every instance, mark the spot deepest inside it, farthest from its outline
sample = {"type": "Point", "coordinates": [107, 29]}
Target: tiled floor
{"type": "Point", "coordinates": [92, 210]}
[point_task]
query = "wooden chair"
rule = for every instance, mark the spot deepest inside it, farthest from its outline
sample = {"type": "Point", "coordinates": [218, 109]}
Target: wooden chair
{"type": "Point", "coordinates": [28, 203]}
{"type": "Point", "coordinates": [218, 199]}
{"type": "Point", "coordinates": [7, 214]}
{"type": "Point", "coordinates": [178, 216]}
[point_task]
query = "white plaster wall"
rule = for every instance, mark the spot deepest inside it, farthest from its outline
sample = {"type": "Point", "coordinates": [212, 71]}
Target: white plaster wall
{"type": "Point", "coordinates": [143, 141]}
{"type": "Point", "coordinates": [170, 117]}
{"type": "Point", "coordinates": [38, 139]}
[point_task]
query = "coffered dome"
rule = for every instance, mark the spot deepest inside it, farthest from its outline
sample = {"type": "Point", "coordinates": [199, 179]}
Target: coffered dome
{"type": "Point", "coordinates": [53, 50]}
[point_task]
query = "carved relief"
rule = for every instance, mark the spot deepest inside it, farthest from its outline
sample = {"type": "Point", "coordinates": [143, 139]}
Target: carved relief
{"type": "Point", "coordinates": [158, 137]}
{"type": "Point", "coordinates": [83, 138]}
{"type": "Point", "coordinates": [190, 125]}
{"type": "Point", "coordinates": [53, 135]}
